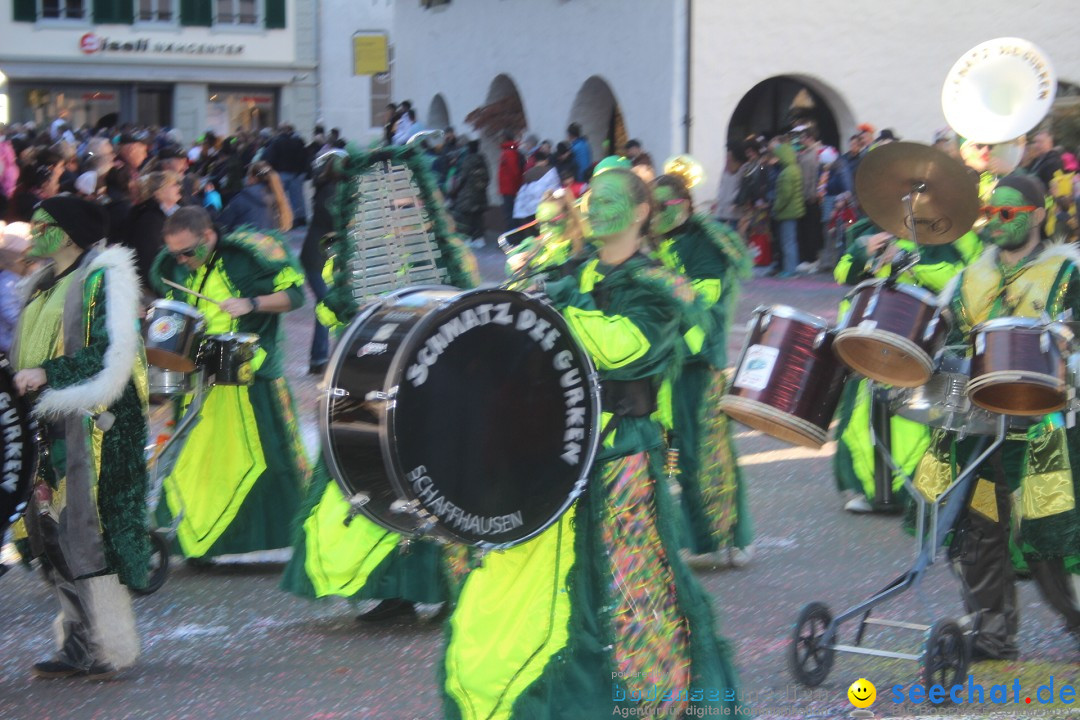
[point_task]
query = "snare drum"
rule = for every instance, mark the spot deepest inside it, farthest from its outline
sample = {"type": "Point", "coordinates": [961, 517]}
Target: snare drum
{"type": "Point", "coordinates": [174, 332]}
{"type": "Point", "coordinates": [891, 333]}
{"type": "Point", "coordinates": [470, 416]}
{"type": "Point", "coordinates": [226, 359]}
{"type": "Point", "coordinates": [788, 382]}
{"type": "Point", "coordinates": [1018, 366]}
{"type": "Point", "coordinates": [169, 382]}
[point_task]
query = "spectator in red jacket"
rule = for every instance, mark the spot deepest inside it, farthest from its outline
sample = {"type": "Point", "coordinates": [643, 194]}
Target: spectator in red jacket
{"type": "Point", "coordinates": [511, 168]}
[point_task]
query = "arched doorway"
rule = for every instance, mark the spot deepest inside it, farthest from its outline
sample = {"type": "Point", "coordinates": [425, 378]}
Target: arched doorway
{"type": "Point", "coordinates": [597, 110]}
{"type": "Point", "coordinates": [438, 115]}
{"type": "Point", "coordinates": [501, 112]}
{"type": "Point", "coordinates": [786, 101]}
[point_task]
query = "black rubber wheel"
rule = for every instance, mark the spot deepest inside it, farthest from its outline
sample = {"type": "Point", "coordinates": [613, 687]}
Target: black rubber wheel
{"type": "Point", "coordinates": [945, 655]}
{"type": "Point", "coordinates": [159, 564]}
{"type": "Point", "coordinates": [808, 659]}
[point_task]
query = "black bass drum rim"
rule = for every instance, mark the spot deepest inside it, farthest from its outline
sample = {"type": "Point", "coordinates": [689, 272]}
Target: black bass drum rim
{"type": "Point", "coordinates": [396, 376]}
{"type": "Point", "coordinates": [330, 384]}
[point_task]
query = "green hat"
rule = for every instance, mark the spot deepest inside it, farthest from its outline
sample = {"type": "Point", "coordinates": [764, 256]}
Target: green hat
{"type": "Point", "coordinates": [610, 162]}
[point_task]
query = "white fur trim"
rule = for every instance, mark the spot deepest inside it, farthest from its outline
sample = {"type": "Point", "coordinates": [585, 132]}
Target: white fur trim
{"type": "Point", "coordinates": [1069, 251]}
{"type": "Point", "coordinates": [112, 621]}
{"type": "Point", "coordinates": [122, 295]}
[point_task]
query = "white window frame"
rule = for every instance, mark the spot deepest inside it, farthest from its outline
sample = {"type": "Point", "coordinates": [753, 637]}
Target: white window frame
{"type": "Point", "coordinates": [174, 20]}
{"type": "Point", "coordinates": [258, 24]}
{"type": "Point", "coordinates": [86, 19]}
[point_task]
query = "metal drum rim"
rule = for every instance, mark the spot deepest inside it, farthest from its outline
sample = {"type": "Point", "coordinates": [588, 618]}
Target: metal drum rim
{"type": "Point", "coordinates": [789, 312]}
{"type": "Point", "coordinates": [912, 290]}
{"type": "Point", "coordinates": [395, 373]}
{"type": "Point", "coordinates": [885, 337]}
{"type": "Point", "coordinates": [329, 381]}
{"type": "Point", "coordinates": [767, 412]}
{"type": "Point", "coordinates": [178, 306]}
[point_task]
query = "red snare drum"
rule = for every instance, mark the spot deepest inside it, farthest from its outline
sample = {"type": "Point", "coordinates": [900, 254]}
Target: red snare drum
{"type": "Point", "coordinates": [891, 333]}
{"type": "Point", "coordinates": [1018, 366]}
{"type": "Point", "coordinates": [788, 381]}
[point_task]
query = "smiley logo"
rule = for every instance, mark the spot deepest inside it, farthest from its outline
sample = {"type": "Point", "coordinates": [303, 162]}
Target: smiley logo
{"type": "Point", "coordinates": [862, 693]}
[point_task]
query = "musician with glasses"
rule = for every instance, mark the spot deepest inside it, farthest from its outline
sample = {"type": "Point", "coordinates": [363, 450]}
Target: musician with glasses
{"type": "Point", "coordinates": [1027, 490]}
{"type": "Point", "coordinates": [240, 472]}
{"type": "Point", "coordinates": [78, 353]}
{"type": "Point", "coordinates": [598, 612]}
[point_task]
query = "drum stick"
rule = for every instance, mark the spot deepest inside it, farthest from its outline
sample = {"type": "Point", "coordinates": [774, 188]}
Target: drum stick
{"type": "Point", "coordinates": [189, 291]}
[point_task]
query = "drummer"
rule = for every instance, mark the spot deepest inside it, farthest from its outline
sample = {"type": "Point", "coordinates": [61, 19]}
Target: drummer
{"type": "Point", "coordinates": [1019, 275]}
{"type": "Point", "coordinates": [713, 497]}
{"type": "Point", "coordinates": [604, 587]}
{"type": "Point", "coordinates": [241, 470]}
{"type": "Point", "coordinates": [856, 465]}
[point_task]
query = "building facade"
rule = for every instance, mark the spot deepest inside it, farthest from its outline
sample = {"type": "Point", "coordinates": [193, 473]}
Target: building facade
{"type": "Point", "coordinates": [195, 65]}
{"type": "Point", "coordinates": [685, 75]}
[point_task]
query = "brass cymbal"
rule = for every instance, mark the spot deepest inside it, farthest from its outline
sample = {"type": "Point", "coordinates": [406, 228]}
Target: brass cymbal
{"type": "Point", "coordinates": [944, 194]}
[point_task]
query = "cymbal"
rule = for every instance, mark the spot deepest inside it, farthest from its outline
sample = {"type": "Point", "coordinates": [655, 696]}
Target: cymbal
{"type": "Point", "coordinates": [944, 194]}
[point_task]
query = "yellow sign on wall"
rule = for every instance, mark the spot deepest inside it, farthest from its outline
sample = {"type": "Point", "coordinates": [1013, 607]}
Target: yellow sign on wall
{"type": "Point", "coordinates": [369, 54]}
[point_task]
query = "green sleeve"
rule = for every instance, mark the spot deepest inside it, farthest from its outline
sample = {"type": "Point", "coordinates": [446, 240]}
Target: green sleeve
{"type": "Point", "coordinates": [86, 362]}
{"type": "Point", "coordinates": [851, 269]}
{"type": "Point", "coordinates": [633, 341]}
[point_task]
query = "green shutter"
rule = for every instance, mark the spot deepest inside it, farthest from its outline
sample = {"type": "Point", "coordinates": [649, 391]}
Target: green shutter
{"type": "Point", "coordinates": [114, 12]}
{"type": "Point", "coordinates": [275, 14]}
{"type": "Point", "coordinates": [196, 12]}
{"type": "Point", "coordinates": [25, 10]}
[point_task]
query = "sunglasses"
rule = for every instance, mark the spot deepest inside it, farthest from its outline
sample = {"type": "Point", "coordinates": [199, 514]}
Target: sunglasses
{"type": "Point", "coordinates": [188, 253]}
{"type": "Point", "coordinates": [1007, 212]}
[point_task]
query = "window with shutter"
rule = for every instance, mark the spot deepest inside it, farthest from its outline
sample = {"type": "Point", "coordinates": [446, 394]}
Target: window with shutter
{"type": "Point", "coordinates": [197, 12]}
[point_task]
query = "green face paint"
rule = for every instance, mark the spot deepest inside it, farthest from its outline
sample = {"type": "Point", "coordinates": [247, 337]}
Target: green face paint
{"type": "Point", "coordinates": [1007, 234]}
{"type": "Point", "coordinates": [202, 252]}
{"type": "Point", "coordinates": [672, 210]}
{"type": "Point", "coordinates": [46, 237]}
{"type": "Point", "coordinates": [551, 218]}
{"type": "Point", "coordinates": [609, 208]}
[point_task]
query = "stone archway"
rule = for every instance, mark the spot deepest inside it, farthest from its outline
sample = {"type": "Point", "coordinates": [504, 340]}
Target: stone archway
{"type": "Point", "coordinates": [501, 112]}
{"type": "Point", "coordinates": [438, 114]}
{"type": "Point", "coordinates": [597, 110]}
{"type": "Point", "coordinates": [785, 101]}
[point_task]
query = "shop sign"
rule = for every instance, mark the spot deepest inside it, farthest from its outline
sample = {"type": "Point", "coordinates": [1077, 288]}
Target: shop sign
{"type": "Point", "coordinates": [91, 44]}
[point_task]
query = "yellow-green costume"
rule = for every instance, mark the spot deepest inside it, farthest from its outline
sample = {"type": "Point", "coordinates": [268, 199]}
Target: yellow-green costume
{"type": "Point", "coordinates": [1032, 477]}
{"type": "Point", "coordinates": [82, 328]}
{"type": "Point", "coordinates": [713, 497]}
{"type": "Point", "coordinates": [240, 473]}
{"type": "Point", "coordinates": [855, 462]}
{"type": "Point", "coordinates": [541, 629]}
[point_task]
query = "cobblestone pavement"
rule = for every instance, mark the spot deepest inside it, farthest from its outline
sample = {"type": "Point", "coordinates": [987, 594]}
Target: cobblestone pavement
{"type": "Point", "coordinates": [224, 642]}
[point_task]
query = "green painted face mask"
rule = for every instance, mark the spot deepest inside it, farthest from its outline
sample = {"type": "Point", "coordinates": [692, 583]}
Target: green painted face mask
{"type": "Point", "coordinates": [46, 237]}
{"type": "Point", "coordinates": [672, 210]}
{"type": "Point", "coordinates": [609, 208]}
{"type": "Point", "coordinates": [1007, 227]}
{"type": "Point", "coordinates": [551, 218]}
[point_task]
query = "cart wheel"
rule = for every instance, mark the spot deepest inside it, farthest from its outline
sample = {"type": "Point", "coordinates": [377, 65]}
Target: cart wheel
{"type": "Point", "coordinates": [808, 659]}
{"type": "Point", "coordinates": [945, 655]}
{"type": "Point", "coordinates": [159, 564]}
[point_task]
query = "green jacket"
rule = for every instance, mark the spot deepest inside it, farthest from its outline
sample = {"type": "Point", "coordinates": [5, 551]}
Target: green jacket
{"type": "Point", "coordinates": [788, 203]}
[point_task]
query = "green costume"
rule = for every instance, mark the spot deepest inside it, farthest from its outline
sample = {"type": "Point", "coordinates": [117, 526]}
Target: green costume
{"type": "Point", "coordinates": [239, 474]}
{"type": "Point", "coordinates": [362, 560]}
{"type": "Point", "coordinates": [856, 461]}
{"type": "Point", "coordinates": [1030, 484]}
{"type": "Point", "coordinates": [713, 496]}
{"type": "Point", "coordinates": [598, 611]}
{"type": "Point", "coordinates": [87, 520]}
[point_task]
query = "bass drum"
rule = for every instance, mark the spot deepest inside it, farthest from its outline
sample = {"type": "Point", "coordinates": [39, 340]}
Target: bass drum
{"type": "Point", "coordinates": [470, 416]}
{"type": "Point", "coordinates": [18, 442]}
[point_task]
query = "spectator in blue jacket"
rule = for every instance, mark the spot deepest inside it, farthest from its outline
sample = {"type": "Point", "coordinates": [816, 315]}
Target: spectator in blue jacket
{"type": "Point", "coordinates": [581, 151]}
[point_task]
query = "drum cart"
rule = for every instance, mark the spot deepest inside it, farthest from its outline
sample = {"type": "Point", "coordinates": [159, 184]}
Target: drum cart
{"type": "Point", "coordinates": [946, 650]}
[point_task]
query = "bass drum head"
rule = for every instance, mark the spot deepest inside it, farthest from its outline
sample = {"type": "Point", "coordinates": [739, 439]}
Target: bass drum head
{"type": "Point", "coordinates": [350, 422]}
{"type": "Point", "coordinates": [494, 424]}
